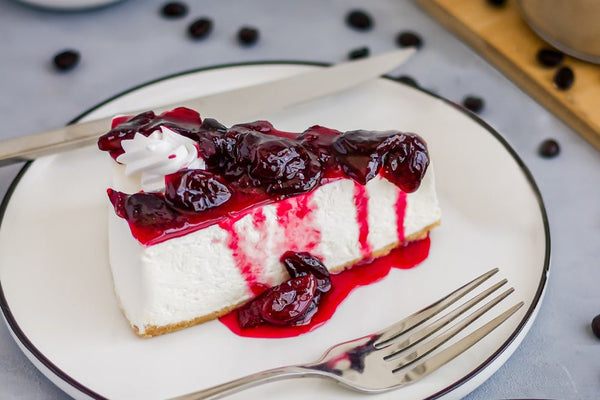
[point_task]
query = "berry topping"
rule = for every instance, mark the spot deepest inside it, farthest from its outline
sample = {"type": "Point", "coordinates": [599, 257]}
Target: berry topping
{"type": "Point", "coordinates": [564, 78]}
{"type": "Point", "coordinates": [174, 9]}
{"type": "Point", "coordinates": [195, 190]}
{"type": "Point", "coordinates": [359, 19]}
{"type": "Point", "coordinates": [473, 103]}
{"type": "Point", "coordinates": [200, 28]}
{"type": "Point", "coordinates": [285, 166]}
{"type": "Point", "coordinates": [248, 35]}
{"type": "Point", "coordinates": [302, 263]}
{"type": "Point", "coordinates": [406, 161]}
{"type": "Point", "coordinates": [147, 209]}
{"type": "Point", "coordinates": [66, 60]}
{"type": "Point", "coordinates": [286, 303]}
{"type": "Point", "coordinates": [360, 52]}
{"type": "Point", "coordinates": [549, 148]}
{"type": "Point", "coordinates": [549, 57]}
{"type": "Point", "coordinates": [363, 153]}
{"type": "Point", "coordinates": [255, 164]}
{"type": "Point", "coordinates": [409, 39]}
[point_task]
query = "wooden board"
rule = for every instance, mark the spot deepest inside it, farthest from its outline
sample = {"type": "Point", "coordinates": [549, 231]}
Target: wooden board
{"type": "Point", "coordinates": [502, 36]}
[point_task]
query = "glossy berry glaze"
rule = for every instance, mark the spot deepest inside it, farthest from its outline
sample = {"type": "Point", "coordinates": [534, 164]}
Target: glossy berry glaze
{"type": "Point", "coordinates": [251, 165]}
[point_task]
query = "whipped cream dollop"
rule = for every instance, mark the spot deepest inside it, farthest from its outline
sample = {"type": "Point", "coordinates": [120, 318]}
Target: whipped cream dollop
{"type": "Point", "coordinates": [161, 153]}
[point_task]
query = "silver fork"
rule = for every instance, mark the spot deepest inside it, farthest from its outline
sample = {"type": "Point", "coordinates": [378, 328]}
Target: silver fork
{"type": "Point", "coordinates": [390, 358]}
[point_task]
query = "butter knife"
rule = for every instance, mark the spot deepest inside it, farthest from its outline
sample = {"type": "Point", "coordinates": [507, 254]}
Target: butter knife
{"type": "Point", "coordinates": [230, 106]}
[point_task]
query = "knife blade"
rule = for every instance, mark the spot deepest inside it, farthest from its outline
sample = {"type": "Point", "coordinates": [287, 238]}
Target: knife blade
{"type": "Point", "coordinates": [229, 106]}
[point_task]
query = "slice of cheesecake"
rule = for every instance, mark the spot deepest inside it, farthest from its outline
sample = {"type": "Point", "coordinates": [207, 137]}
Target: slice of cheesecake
{"type": "Point", "coordinates": [203, 213]}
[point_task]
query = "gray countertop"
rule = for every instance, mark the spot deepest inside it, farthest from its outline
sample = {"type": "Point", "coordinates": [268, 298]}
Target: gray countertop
{"type": "Point", "coordinates": [127, 44]}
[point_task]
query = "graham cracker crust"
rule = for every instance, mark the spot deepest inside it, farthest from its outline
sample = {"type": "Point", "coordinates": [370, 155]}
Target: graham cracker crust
{"type": "Point", "coordinates": [153, 330]}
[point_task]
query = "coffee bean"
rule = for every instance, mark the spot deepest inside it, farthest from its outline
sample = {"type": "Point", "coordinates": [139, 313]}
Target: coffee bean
{"type": "Point", "coordinates": [549, 57]}
{"type": "Point", "coordinates": [549, 148]}
{"type": "Point", "coordinates": [409, 39]}
{"type": "Point", "coordinates": [174, 9]}
{"type": "Point", "coordinates": [248, 35]}
{"type": "Point", "coordinates": [564, 78]}
{"type": "Point", "coordinates": [497, 3]}
{"type": "Point", "coordinates": [360, 52]}
{"type": "Point", "coordinates": [473, 103]}
{"type": "Point", "coordinates": [408, 80]}
{"type": "Point", "coordinates": [200, 28]}
{"type": "Point", "coordinates": [359, 19]}
{"type": "Point", "coordinates": [66, 60]}
{"type": "Point", "coordinates": [596, 326]}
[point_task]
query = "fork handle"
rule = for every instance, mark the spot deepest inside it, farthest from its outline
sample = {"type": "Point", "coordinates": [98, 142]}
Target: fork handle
{"type": "Point", "coordinates": [236, 385]}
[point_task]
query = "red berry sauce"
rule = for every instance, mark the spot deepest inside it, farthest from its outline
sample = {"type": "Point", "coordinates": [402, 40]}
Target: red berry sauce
{"type": "Point", "coordinates": [366, 272]}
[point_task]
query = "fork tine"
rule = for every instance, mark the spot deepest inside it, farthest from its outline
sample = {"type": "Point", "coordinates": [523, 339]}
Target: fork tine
{"type": "Point", "coordinates": [439, 340]}
{"type": "Point", "coordinates": [433, 363]}
{"type": "Point", "coordinates": [395, 348]}
{"type": "Point", "coordinates": [397, 329]}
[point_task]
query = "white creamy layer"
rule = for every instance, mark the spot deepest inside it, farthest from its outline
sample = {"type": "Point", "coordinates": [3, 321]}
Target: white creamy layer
{"type": "Point", "coordinates": [196, 275]}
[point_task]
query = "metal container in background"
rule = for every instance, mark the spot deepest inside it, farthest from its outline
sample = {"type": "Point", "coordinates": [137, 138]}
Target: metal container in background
{"type": "Point", "coordinates": [572, 26]}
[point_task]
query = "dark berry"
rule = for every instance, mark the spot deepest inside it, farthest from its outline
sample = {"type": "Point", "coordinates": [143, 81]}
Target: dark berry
{"type": "Point", "coordinates": [287, 302]}
{"type": "Point", "coordinates": [549, 57]}
{"type": "Point", "coordinates": [147, 209]}
{"type": "Point", "coordinates": [596, 326]}
{"type": "Point", "coordinates": [409, 39]}
{"type": "Point", "coordinates": [195, 190]}
{"type": "Point", "coordinates": [564, 78]}
{"type": "Point", "coordinates": [473, 103]}
{"type": "Point", "coordinates": [405, 162]}
{"type": "Point", "coordinates": [549, 148]}
{"type": "Point", "coordinates": [361, 52]}
{"type": "Point", "coordinates": [356, 151]}
{"type": "Point", "coordinates": [200, 28]}
{"type": "Point", "coordinates": [66, 60]}
{"type": "Point", "coordinates": [293, 302]}
{"type": "Point", "coordinates": [359, 19]}
{"type": "Point", "coordinates": [302, 263]}
{"type": "Point", "coordinates": [248, 35]}
{"type": "Point", "coordinates": [281, 165]}
{"type": "Point", "coordinates": [174, 9]}
{"type": "Point", "coordinates": [497, 3]}
{"type": "Point", "coordinates": [408, 80]}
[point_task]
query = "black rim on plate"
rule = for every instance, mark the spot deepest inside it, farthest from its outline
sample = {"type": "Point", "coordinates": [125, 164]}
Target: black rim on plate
{"type": "Point", "coordinates": [25, 342]}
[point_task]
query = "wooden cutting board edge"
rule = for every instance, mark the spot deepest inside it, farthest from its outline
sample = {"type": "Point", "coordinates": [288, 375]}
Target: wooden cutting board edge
{"type": "Point", "coordinates": [500, 61]}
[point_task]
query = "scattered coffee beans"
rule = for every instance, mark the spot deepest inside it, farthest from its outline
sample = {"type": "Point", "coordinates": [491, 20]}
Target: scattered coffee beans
{"type": "Point", "coordinates": [596, 326]}
{"type": "Point", "coordinates": [360, 52]}
{"type": "Point", "coordinates": [200, 28]}
{"type": "Point", "coordinates": [497, 3]}
{"type": "Point", "coordinates": [248, 35]}
{"type": "Point", "coordinates": [408, 80]}
{"type": "Point", "coordinates": [174, 9]}
{"type": "Point", "coordinates": [409, 39]}
{"type": "Point", "coordinates": [564, 78]}
{"type": "Point", "coordinates": [473, 103]}
{"type": "Point", "coordinates": [549, 148]}
{"type": "Point", "coordinates": [359, 19]}
{"type": "Point", "coordinates": [66, 60]}
{"type": "Point", "coordinates": [549, 57]}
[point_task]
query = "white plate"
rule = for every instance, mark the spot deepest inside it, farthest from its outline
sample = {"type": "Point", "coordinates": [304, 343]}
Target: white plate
{"type": "Point", "coordinates": [56, 285]}
{"type": "Point", "coordinates": [69, 4]}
